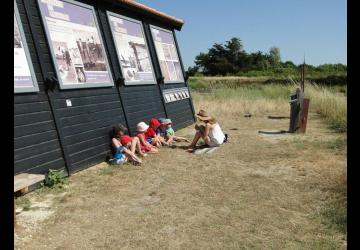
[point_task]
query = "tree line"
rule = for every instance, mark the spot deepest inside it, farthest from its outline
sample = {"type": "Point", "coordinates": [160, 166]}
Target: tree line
{"type": "Point", "coordinates": [230, 59]}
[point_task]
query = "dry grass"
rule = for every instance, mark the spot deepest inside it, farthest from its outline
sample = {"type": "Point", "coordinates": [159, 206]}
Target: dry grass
{"type": "Point", "coordinates": [250, 96]}
{"type": "Point", "coordinates": [256, 192]}
{"type": "Point", "coordinates": [330, 105]}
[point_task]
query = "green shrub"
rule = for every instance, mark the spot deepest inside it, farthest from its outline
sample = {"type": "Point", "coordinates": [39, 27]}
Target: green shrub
{"type": "Point", "coordinates": [55, 178]}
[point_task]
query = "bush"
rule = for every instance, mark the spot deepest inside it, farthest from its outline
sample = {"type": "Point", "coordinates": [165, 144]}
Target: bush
{"type": "Point", "coordinates": [55, 178]}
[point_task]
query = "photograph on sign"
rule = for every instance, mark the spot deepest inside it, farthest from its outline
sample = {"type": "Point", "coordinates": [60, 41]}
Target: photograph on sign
{"type": "Point", "coordinates": [77, 48]}
{"type": "Point", "coordinates": [132, 50]}
{"type": "Point", "coordinates": [167, 55]}
{"type": "Point", "coordinates": [24, 77]}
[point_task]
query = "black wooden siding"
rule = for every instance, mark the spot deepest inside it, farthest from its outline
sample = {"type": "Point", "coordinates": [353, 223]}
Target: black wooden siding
{"type": "Point", "coordinates": [140, 102]}
{"type": "Point", "coordinates": [36, 143]}
{"type": "Point", "coordinates": [49, 134]}
{"type": "Point", "coordinates": [84, 126]}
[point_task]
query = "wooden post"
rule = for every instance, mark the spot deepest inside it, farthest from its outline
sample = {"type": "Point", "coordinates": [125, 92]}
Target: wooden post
{"type": "Point", "coordinates": [303, 115]}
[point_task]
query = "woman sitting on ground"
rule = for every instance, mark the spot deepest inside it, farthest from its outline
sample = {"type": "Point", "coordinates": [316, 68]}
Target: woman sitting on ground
{"type": "Point", "coordinates": [211, 132]}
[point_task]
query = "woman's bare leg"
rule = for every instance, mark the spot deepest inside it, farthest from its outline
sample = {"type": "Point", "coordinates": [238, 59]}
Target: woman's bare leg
{"type": "Point", "coordinates": [206, 139]}
{"type": "Point", "coordinates": [195, 140]}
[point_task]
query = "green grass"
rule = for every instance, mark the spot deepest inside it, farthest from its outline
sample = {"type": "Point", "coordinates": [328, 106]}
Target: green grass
{"type": "Point", "coordinates": [334, 214]}
{"type": "Point", "coordinates": [338, 144]}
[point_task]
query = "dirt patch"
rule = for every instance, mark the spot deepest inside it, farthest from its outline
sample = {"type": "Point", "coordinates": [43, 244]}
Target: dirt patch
{"type": "Point", "coordinates": [253, 192]}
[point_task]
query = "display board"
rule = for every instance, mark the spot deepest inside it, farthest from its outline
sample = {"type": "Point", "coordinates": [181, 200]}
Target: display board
{"type": "Point", "coordinates": [76, 45]}
{"type": "Point", "coordinates": [178, 94]}
{"type": "Point", "coordinates": [24, 76]}
{"type": "Point", "coordinates": [132, 49]}
{"type": "Point", "coordinates": [167, 54]}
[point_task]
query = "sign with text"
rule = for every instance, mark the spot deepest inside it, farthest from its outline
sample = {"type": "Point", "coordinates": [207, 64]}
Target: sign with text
{"type": "Point", "coordinates": [167, 55]}
{"type": "Point", "coordinates": [76, 45]}
{"type": "Point", "coordinates": [132, 50]}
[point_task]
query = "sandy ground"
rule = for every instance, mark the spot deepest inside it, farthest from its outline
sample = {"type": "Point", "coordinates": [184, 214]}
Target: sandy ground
{"type": "Point", "coordinates": [255, 192]}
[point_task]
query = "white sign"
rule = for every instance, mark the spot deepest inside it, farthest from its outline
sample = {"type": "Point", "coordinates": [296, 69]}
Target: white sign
{"type": "Point", "coordinates": [24, 80]}
{"type": "Point", "coordinates": [76, 44]}
{"type": "Point", "coordinates": [68, 103]}
{"type": "Point", "coordinates": [132, 50]}
{"type": "Point", "coordinates": [167, 55]}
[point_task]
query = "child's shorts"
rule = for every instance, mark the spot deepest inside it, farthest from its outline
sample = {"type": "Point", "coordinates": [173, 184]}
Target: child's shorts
{"type": "Point", "coordinates": [149, 140]}
{"type": "Point", "coordinates": [122, 160]}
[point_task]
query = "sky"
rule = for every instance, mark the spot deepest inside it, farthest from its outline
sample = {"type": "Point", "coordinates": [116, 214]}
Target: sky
{"type": "Point", "coordinates": [316, 28]}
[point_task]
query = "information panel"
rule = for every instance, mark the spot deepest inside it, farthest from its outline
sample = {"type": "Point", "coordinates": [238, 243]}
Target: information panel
{"type": "Point", "coordinates": [76, 45]}
{"type": "Point", "coordinates": [167, 54]}
{"type": "Point", "coordinates": [132, 50]}
{"type": "Point", "coordinates": [24, 76]}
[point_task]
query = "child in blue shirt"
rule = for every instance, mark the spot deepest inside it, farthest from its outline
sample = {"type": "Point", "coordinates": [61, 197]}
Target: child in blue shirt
{"type": "Point", "coordinates": [169, 133]}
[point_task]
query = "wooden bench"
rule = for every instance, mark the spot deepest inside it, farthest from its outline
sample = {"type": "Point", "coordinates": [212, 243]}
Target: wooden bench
{"type": "Point", "coordinates": [22, 183]}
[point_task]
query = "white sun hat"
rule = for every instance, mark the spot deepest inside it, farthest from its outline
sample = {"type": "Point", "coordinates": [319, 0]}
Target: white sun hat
{"type": "Point", "coordinates": [142, 127]}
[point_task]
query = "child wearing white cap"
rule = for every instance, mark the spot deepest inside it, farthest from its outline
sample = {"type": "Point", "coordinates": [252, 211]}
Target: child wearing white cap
{"type": "Point", "coordinates": [145, 145]}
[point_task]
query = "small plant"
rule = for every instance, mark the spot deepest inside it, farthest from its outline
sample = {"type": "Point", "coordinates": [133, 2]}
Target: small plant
{"type": "Point", "coordinates": [55, 178]}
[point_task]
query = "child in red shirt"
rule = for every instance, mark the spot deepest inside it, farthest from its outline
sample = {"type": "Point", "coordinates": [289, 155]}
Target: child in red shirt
{"type": "Point", "coordinates": [145, 145]}
{"type": "Point", "coordinates": [132, 143]}
{"type": "Point", "coordinates": [150, 134]}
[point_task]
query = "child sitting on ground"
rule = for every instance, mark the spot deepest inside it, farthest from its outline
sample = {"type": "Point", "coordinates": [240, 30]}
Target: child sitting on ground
{"type": "Point", "coordinates": [151, 135]}
{"type": "Point", "coordinates": [132, 143]}
{"type": "Point", "coordinates": [170, 133]}
{"type": "Point", "coordinates": [145, 145]}
{"type": "Point", "coordinates": [121, 153]}
{"type": "Point", "coordinates": [161, 132]}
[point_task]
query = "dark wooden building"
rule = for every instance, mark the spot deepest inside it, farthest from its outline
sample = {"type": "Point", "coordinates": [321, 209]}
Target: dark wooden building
{"type": "Point", "coordinates": [83, 66]}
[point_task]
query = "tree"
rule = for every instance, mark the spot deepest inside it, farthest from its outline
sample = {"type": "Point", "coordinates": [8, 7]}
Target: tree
{"type": "Point", "coordinates": [222, 59]}
{"type": "Point", "coordinates": [274, 54]}
{"type": "Point", "coordinates": [192, 71]}
{"type": "Point", "coordinates": [289, 64]}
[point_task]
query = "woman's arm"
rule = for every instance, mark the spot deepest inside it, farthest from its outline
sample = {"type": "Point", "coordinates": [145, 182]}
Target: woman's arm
{"type": "Point", "coordinates": [207, 129]}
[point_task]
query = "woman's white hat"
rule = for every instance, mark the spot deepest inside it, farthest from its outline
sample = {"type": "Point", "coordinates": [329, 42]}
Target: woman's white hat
{"type": "Point", "coordinates": [142, 127]}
